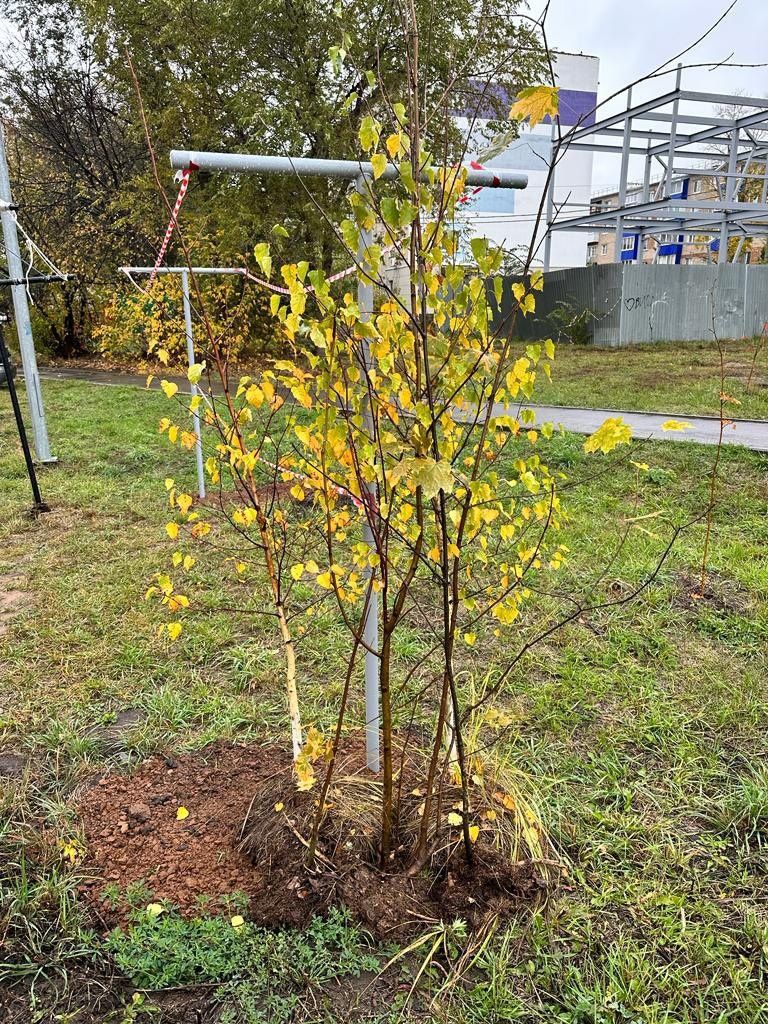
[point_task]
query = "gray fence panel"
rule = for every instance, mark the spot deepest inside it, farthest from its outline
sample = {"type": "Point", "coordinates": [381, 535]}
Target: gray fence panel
{"type": "Point", "coordinates": [625, 305]}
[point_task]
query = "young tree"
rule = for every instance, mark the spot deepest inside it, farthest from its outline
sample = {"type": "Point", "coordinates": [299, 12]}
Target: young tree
{"type": "Point", "coordinates": [424, 474]}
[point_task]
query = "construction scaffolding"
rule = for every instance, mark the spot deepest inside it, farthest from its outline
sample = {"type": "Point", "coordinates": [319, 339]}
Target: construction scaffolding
{"type": "Point", "coordinates": [676, 131]}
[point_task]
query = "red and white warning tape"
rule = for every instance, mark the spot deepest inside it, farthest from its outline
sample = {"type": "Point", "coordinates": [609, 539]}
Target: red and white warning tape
{"type": "Point", "coordinates": [469, 196]}
{"type": "Point", "coordinates": [183, 186]}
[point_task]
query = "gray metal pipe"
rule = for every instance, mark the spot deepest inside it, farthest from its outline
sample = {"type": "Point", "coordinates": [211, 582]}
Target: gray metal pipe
{"type": "Point", "coordinates": [492, 177]}
{"type": "Point", "coordinates": [241, 271]}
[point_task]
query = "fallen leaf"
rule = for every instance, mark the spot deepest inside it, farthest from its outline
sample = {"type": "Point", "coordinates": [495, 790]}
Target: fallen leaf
{"type": "Point", "coordinates": [182, 813]}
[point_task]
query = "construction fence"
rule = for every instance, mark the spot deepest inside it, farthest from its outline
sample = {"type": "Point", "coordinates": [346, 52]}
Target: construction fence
{"type": "Point", "coordinates": [616, 305]}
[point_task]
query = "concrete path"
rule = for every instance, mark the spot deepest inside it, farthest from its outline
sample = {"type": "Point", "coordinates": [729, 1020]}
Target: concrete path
{"type": "Point", "coordinates": [706, 429]}
{"type": "Point", "coordinates": [750, 433]}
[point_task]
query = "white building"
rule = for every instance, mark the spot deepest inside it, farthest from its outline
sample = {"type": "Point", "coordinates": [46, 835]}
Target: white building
{"type": "Point", "coordinates": [507, 216]}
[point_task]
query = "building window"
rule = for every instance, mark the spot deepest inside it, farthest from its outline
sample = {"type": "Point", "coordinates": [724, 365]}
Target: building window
{"type": "Point", "coordinates": [604, 249]}
{"type": "Point", "coordinates": [697, 186]}
{"type": "Point", "coordinates": [628, 244]}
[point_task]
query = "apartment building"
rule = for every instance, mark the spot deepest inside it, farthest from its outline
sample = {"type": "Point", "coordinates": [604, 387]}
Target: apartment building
{"type": "Point", "coordinates": [670, 247]}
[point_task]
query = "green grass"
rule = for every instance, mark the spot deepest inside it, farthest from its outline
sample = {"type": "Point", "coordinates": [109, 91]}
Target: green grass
{"type": "Point", "coordinates": [674, 377]}
{"type": "Point", "coordinates": [642, 726]}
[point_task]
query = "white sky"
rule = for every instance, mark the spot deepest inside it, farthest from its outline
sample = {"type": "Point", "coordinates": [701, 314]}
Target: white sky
{"type": "Point", "coordinates": [632, 37]}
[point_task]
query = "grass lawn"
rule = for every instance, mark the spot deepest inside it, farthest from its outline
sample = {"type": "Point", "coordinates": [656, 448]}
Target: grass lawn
{"type": "Point", "coordinates": [674, 377]}
{"type": "Point", "coordinates": [641, 729]}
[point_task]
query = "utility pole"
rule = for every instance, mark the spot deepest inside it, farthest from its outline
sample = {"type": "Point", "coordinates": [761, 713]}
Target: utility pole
{"type": "Point", "coordinates": [21, 312]}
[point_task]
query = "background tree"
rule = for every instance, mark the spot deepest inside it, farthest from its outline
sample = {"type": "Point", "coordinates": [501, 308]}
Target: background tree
{"type": "Point", "coordinates": [220, 75]}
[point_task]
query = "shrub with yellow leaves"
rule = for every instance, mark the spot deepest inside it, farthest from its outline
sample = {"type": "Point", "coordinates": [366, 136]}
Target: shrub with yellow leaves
{"type": "Point", "coordinates": [148, 325]}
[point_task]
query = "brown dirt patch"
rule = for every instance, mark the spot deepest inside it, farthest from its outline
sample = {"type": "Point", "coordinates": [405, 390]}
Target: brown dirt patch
{"type": "Point", "coordinates": [13, 600]}
{"type": "Point", "coordinates": [719, 593]}
{"type": "Point", "coordinates": [234, 840]}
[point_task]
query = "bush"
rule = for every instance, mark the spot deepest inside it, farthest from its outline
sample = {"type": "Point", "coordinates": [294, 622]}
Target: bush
{"type": "Point", "coordinates": [136, 326]}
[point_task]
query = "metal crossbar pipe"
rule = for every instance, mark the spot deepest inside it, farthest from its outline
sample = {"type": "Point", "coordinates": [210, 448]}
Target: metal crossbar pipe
{"type": "Point", "coordinates": [241, 271]}
{"type": "Point", "coordinates": [351, 170]}
{"type": "Point", "coordinates": [738, 125]}
{"type": "Point", "coordinates": [596, 147]}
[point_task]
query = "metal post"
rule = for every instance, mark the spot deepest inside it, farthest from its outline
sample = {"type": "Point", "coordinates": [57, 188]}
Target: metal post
{"type": "Point", "coordinates": [673, 130]}
{"type": "Point", "coordinates": [5, 362]}
{"type": "Point", "coordinates": [21, 312]}
{"type": "Point", "coordinates": [371, 631]}
{"type": "Point", "coordinates": [550, 200]}
{"type": "Point", "coordinates": [625, 147]}
{"type": "Point", "coordinates": [730, 184]}
{"type": "Point", "coordinates": [194, 390]}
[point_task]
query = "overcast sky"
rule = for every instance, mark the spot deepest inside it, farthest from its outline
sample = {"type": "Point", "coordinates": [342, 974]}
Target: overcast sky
{"type": "Point", "coordinates": [632, 37]}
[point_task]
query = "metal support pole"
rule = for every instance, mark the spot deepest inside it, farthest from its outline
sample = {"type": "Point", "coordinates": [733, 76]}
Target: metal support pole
{"type": "Point", "coordinates": [21, 313]}
{"type": "Point", "coordinates": [673, 130]}
{"type": "Point", "coordinates": [730, 185]}
{"type": "Point", "coordinates": [5, 362]}
{"type": "Point", "coordinates": [625, 147]}
{"type": "Point", "coordinates": [371, 631]}
{"type": "Point", "coordinates": [550, 202]}
{"type": "Point", "coordinates": [194, 390]}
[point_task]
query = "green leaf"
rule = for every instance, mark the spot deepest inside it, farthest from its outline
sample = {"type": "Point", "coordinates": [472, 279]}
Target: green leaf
{"type": "Point", "coordinates": [370, 133]}
{"type": "Point", "coordinates": [350, 234]}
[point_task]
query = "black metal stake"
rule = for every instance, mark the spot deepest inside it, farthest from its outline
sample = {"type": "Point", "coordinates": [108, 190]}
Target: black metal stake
{"type": "Point", "coordinates": [40, 505]}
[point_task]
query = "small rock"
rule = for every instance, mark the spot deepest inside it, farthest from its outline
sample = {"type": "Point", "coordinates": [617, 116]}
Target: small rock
{"type": "Point", "coordinates": [139, 812]}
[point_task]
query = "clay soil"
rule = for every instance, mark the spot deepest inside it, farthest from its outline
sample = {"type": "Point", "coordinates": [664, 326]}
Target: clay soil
{"type": "Point", "coordinates": [234, 840]}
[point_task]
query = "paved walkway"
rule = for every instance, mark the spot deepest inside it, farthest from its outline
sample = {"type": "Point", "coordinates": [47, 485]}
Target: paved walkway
{"type": "Point", "coordinates": [750, 433]}
{"type": "Point", "coordinates": [706, 429]}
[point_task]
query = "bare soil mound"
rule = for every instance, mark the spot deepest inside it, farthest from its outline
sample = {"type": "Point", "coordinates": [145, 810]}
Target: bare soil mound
{"type": "Point", "coordinates": [246, 829]}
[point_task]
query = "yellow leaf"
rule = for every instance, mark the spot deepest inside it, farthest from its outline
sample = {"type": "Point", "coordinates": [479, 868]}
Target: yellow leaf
{"type": "Point", "coordinates": [195, 372]}
{"type": "Point", "coordinates": [378, 164]}
{"type": "Point", "coordinates": [155, 909]}
{"type": "Point", "coordinates": [469, 639]}
{"type": "Point", "coordinates": [172, 529]}
{"type": "Point", "coordinates": [184, 501]}
{"type": "Point", "coordinates": [182, 813]}
{"type": "Point", "coordinates": [609, 435]}
{"type": "Point", "coordinates": [324, 580]}
{"type": "Point", "coordinates": [279, 806]}
{"type": "Point", "coordinates": [676, 425]}
{"type": "Point", "coordinates": [169, 388]}
{"type": "Point", "coordinates": [454, 818]}
{"type": "Point", "coordinates": [474, 832]}
{"type": "Point", "coordinates": [188, 562]}
{"type": "Point", "coordinates": [392, 143]}
{"type": "Point", "coordinates": [535, 103]}
{"type": "Point", "coordinates": [237, 922]}
{"type": "Point", "coordinates": [173, 434]}
{"type": "Point", "coordinates": [297, 571]}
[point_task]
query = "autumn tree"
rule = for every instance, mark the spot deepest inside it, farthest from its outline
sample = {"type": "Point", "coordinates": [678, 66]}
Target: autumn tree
{"type": "Point", "coordinates": [218, 76]}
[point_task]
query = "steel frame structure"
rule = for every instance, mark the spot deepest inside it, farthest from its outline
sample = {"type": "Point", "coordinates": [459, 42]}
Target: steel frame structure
{"type": "Point", "coordinates": [663, 133]}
